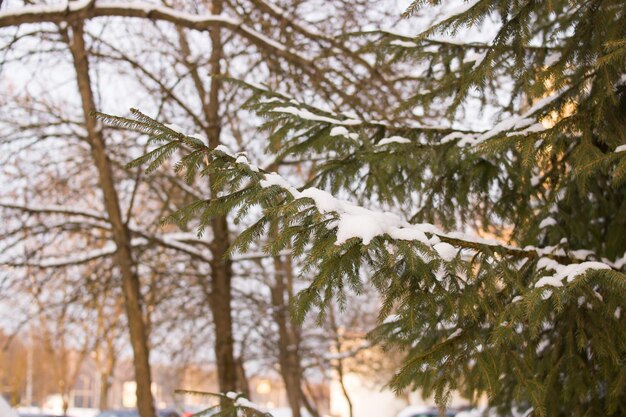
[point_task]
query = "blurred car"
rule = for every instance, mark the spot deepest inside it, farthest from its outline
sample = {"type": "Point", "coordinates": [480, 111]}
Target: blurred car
{"type": "Point", "coordinates": [165, 412]}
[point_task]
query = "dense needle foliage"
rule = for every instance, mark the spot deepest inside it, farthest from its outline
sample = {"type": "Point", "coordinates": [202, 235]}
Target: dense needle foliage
{"type": "Point", "coordinates": [531, 314]}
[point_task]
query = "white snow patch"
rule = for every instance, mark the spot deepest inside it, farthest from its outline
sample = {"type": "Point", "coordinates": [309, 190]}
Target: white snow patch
{"type": "Point", "coordinates": [173, 127]}
{"type": "Point", "coordinates": [534, 128]}
{"type": "Point", "coordinates": [513, 124]}
{"type": "Point", "coordinates": [225, 149]}
{"type": "Point", "coordinates": [535, 180]}
{"type": "Point", "coordinates": [244, 402]}
{"type": "Point", "coordinates": [404, 44]}
{"type": "Point", "coordinates": [339, 131]}
{"type": "Point", "coordinates": [413, 410]}
{"type": "Point", "coordinates": [307, 115]}
{"type": "Point", "coordinates": [409, 233]}
{"type": "Point", "coordinates": [547, 222]}
{"type": "Point", "coordinates": [454, 334]}
{"type": "Point", "coordinates": [342, 131]}
{"type": "Point", "coordinates": [358, 222]}
{"type": "Point", "coordinates": [393, 139]}
{"type": "Point", "coordinates": [542, 345]}
{"type": "Point", "coordinates": [391, 318]}
{"type": "Point", "coordinates": [241, 401]}
{"type": "Point", "coordinates": [354, 221]}
{"type": "Point", "coordinates": [621, 148]}
{"type": "Point", "coordinates": [465, 138]}
{"type": "Point", "coordinates": [242, 159]}
{"type": "Point", "coordinates": [568, 273]}
{"type": "Point", "coordinates": [552, 281]}
{"type": "Point", "coordinates": [476, 57]}
{"type": "Point", "coordinates": [324, 201]}
{"type": "Point", "coordinates": [446, 251]}
{"type": "Point", "coordinates": [272, 178]}
{"type": "Point", "coordinates": [547, 263]}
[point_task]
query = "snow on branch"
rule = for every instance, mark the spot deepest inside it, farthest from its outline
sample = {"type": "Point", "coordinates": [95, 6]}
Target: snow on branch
{"type": "Point", "coordinates": [567, 273]}
{"type": "Point", "coordinates": [520, 125]}
{"type": "Point", "coordinates": [240, 401]}
{"type": "Point", "coordinates": [359, 222]}
{"type": "Point", "coordinates": [308, 115]}
{"type": "Point", "coordinates": [352, 221]}
{"type": "Point", "coordinates": [279, 103]}
{"type": "Point", "coordinates": [87, 9]}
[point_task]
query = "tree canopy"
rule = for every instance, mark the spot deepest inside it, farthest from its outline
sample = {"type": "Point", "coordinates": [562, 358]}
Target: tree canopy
{"type": "Point", "coordinates": [498, 253]}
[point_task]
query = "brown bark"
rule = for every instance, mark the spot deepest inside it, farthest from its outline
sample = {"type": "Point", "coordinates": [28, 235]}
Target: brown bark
{"type": "Point", "coordinates": [339, 366]}
{"type": "Point", "coordinates": [103, 395]}
{"type": "Point", "coordinates": [288, 336]}
{"type": "Point", "coordinates": [242, 379]}
{"type": "Point", "coordinates": [221, 268]}
{"type": "Point", "coordinates": [121, 235]}
{"type": "Point", "coordinates": [221, 274]}
{"type": "Point", "coordinates": [213, 22]}
{"type": "Point", "coordinates": [310, 404]}
{"type": "Point", "coordinates": [106, 374]}
{"type": "Point", "coordinates": [65, 362]}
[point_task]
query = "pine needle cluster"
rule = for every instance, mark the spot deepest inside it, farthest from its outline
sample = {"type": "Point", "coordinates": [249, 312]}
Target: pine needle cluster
{"type": "Point", "coordinates": [532, 318]}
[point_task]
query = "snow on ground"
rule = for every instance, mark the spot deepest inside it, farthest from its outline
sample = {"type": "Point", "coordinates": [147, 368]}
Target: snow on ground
{"type": "Point", "coordinates": [5, 409]}
{"type": "Point", "coordinates": [72, 411]}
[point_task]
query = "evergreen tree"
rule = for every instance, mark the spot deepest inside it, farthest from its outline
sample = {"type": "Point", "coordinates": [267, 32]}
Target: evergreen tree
{"type": "Point", "coordinates": [531, 312]}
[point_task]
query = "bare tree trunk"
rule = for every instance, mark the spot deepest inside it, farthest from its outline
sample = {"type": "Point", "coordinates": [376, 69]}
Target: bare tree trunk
{"type": "Point", "coordinates": [221, 268]}
{"type": "Point", "coordinates": [339, 367]}
{"type": "Point", "coordinates": [344, 389]}
{"type": "Point", "coordinates": [221, 308]}
{"type": "Point", "coordinates": [289, 342]}
{"type": "Point", "coordinates": [103, 394]}
{"type": "Point", "coordinates": [310, 406]}
{"type": "Point", "coordinates": [121, 235]}
{"type": "Point", "coordinates": [106, 375]}
{"type": "Point", "coordinates": [65, 398]}
{"type": "Point", "coordinates": [242, 379]}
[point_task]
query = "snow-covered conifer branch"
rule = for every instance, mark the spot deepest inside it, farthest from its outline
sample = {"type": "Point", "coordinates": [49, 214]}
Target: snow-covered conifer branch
{"type": "Point", "coordinates": [351, 221]}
